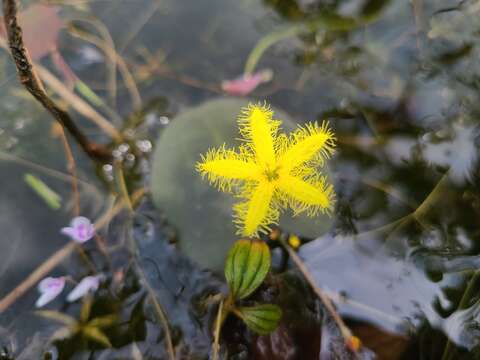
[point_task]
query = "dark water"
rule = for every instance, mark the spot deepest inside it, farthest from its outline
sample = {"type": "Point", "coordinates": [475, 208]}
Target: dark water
{"type": "Point", "coordinates": [398, 81]}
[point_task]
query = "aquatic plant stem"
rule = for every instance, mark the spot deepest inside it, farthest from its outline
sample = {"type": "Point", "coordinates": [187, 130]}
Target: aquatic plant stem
{"type": "Point", "coordinates": [162, 318]}
{"type": "Point", "coordinates": [344, 330]}
{"type": "Point", "coordinates": [330, 22]}
{"type": "Point", "coordinates": [60, 255]}
{"type": "Point", "coordinates": [78, 103]}
{"type": "Point", "coordinates": [112, 54]}
{"type": "Point", "coordinates": [112, 64]}
{"type": "Point", "coordinates": [216, 333]}
{"type": "Point", "coordinates": [72, 169]}
{"type": "Point", "coordinates": [462, 305]}
{"type": "Point", "coordinates": [122, 184]}
{"type": "Point", "coordinates": [269, 40]}
{"type": "Point", "coordinates": [32, 83]}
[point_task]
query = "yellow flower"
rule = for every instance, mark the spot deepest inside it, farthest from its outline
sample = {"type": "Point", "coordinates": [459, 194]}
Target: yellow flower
{"type": "Point", "coordinates": [272, 171]}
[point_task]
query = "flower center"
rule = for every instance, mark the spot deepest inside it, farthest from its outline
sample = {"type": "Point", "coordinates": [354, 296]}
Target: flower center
{"type": "Point", "coordinates": [271, 174]}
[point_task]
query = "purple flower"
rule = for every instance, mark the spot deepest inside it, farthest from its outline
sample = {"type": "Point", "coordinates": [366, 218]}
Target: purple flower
{"type": "Point", "coordinates": [86, 285]}
{"type": "Point", "coordinates": [49, 289]}
{"type": "Point", "coordinates": [80, 230]}
{"type": "Point", "coordinates": [245, 84]}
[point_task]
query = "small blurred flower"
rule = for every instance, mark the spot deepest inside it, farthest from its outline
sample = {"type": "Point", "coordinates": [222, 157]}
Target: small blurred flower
{"type": "Point", "coordinates": [49, 289]}
{"type": "Point", "coordinates": [86, 285]}
{"type": "Point", "coordinates": [80, 230]}
{"type": "Point", "coordinates": [245, 84]}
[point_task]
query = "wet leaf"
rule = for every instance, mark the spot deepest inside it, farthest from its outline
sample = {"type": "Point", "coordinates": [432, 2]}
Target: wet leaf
{"type": "Point", "coordinates": [57, 316]}
{"type": "Point", "coordinates": [96, 335]}
{"type": "Point", "coordinates": [262, 319]}
{"type": "Point", "coordinates": [63, 333]}
{"type": "Point", "coordinates": [103, 321]}
{"type": "Point", "coordinates": [247, 265]}
{"type": "Point", "coordinates": [86, 307]}
{"type": "Point", "coordinates": [51, 198]}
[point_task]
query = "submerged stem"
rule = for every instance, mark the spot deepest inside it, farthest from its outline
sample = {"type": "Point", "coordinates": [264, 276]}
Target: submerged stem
{"type": "Point", "coordinates": [344, 330]}
{"type": "Point", "coordinates": [462, 305]}
{"type": "Point", "coordinates": [218, 327]}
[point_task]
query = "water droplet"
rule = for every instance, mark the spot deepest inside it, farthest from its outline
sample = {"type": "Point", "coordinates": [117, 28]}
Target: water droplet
{"type": "Point", "coordinates": [117, 155]}
{"type": "Point", "coordinates": [144, 145]}
{"type": "Point", "coordinates": [164, 120]}
{"type": "Point", "coordinates": [108, 171]}
{"type": "Point", "coordinates": [123, 148]}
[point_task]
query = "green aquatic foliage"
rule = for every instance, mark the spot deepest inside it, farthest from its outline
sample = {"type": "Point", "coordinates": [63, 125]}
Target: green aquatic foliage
{"type": "Point", "coordinates": [262, 319]}
{"type": "Point", "coordinates": [51, 198]}
{"type": "Point", "coordinates": [246, 267]}
{"type": "Point", "coordinates": [89, 329]}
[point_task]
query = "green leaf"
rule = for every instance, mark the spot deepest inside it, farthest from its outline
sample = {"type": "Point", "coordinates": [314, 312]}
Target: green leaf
{"type": "Point", "coordinates": [246, 267]}
{"type": "Point", "coordinates": [262, 319]}
{"type": "Point", "coordinates": [51, 198]}
{"type": "Point", "coordinates": [88, 93]}
{"type": "Point", "coordinates": [103, 321]}
{"type": "Point", "coordinates": [64, 332]}
{"type": "Point", "coordinates": [86, 308]}
{"type": "Point", "coordinates": [57, 316]}
{"type": "Point", "coordinates": [96, 335]}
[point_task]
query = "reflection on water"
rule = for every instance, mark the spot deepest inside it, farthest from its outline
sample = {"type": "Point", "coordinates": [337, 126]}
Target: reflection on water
{"type": "Point", "coordinates": [398, 80]}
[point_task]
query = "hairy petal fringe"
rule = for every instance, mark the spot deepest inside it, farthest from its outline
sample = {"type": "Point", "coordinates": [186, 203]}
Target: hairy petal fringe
{"type": "Point", "coordinates": [224, 168]}
{"type": "Point", "coordinates": [258, 212]}
{"type": "Point", "coordinates": [314, 196]}
{"type": "Point", "coordinates": [259, 129]}
{"type": "Point", "coordinates": [307, 146]}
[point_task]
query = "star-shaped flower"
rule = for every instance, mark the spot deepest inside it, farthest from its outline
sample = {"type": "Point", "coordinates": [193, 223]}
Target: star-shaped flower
{"type": "Point", "coordinates": [272, 171]}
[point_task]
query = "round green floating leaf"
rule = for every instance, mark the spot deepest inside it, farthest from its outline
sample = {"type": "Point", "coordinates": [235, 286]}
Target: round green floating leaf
{"type": "Point", "coordinates": [202, 214]}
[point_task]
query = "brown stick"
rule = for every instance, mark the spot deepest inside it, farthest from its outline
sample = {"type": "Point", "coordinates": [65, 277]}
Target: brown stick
{"type": "Point", "coordinates": [72, 169]}
{"type": "Point", "coordinates": [30, 80]}
{"type": "Point", "coordinates": [344, 330]}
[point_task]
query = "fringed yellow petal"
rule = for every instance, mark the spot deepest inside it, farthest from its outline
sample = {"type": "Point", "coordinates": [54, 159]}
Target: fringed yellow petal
{"type": "Point", "coordinates": [223, 168]}
{"type": "Point", "coordinates": [258, 212]}
{"type": "Point", "coordinates": [309, 143]}
{"type": "Point", "coordinates": [315, 196]}
{"type": "Point", "coordinates": [258, 127]}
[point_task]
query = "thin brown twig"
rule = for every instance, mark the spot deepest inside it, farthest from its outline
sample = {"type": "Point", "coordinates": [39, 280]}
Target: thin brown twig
{"type": "Point", "coordinates": [344, 330]}
{"type": "Point", "coordinates": [78, 103]}
{"type": "Point", "coordinates": [218, 327]}
{"type": "Point", "coordinates": [153, 66]}
{"type": "Point", "coordinates": [32, 83]}
{"type": "Point", "coordinates": [162, 317]}
{"type": "Point", "coordinates": [117, 59]}
{"type": "Point", "coordinates": [72, 169]}
{"type": "Point", "coordinates": [112, 64]}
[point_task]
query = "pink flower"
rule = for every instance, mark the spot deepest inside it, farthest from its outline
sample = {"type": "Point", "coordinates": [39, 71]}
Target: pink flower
{"type": "Point", "coordinates": [49, 289]}
{"type": "Point", "coordinates": [80, 230]}
{"type": "Point", "coordinates": [86, 285]}
{"type": "Point", "coordinates": [245, 84]}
